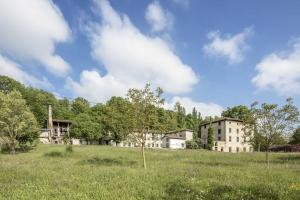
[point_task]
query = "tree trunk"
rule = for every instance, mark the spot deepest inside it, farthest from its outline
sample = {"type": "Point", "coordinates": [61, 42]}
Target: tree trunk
{"type": "Point", "coordinates": [267, 157]}
{"type": "Point", "coordinates": [144, 158]}
{"type": "Point", "coordinates": [13, 147]}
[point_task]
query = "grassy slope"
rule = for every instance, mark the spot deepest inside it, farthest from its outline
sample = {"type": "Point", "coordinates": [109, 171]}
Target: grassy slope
{"type": "Point", "coordinates": [98, 172]}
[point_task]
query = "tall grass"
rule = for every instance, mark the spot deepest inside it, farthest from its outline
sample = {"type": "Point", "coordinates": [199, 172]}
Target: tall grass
{"type": "Point", "coordinates": [99, 172]}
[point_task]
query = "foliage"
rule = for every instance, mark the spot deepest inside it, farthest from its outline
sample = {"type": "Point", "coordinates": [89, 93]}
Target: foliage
{"type": "Point", "coordinates": [272, 122]}
{"type": "Point", "coordinates": [192, 144]}
{"type": "Point", "coordinates": [240, 112]}
{"type": "Point", "coordinates": [84, 126]}
{"type": "Point", "coordinates": [144, 114]}
{"type": "Point", "coordinates": [210, 138]}
{"type": "Point", "coordinates": [295, 137]}
{"type": "Point", "coordinates": [17, 124]}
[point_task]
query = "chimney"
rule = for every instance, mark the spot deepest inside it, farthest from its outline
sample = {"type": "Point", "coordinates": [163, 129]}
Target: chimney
{"type": "Point", "coordinates": [50, 122]}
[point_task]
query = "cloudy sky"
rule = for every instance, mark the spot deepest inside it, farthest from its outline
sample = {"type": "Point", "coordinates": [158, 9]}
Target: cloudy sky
{"type": "Point", "coordinates": [207, 54]}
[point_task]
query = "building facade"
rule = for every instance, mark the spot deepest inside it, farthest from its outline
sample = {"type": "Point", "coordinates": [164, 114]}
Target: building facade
{"type": "Point", "coordinates": [171, 140]}
{"type": "Point", "coordinates": [229, 135]}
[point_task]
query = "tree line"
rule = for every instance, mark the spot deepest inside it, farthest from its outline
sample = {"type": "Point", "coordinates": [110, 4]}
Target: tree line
{"type": "Point", "coordinates": [140, 111]}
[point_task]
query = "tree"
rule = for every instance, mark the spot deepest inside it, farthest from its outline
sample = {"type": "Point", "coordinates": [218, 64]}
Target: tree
{"type": "Point", "coordinates": [80, 105]}
{"type": "Point", "coordinates": [85, 127]}
{"type": "Point", "coordinates": [143, 113]}
{"type": "Point", "coordinates": [296, 137]}
{"type": "Point", "coordinates": [8, 85]}
{"type": "Point", "coordinates": [210, 138]}
{"type": "Point", "coordinates": [240, 112]}
{"type": "Point", "coordinates": [272, 121]}
{"type": "Point", "coordinates": [181, 115]}
{"type": "Point", "coordinates": [116, 119]}
{"type": "Point", "coordinates": [16, 120]}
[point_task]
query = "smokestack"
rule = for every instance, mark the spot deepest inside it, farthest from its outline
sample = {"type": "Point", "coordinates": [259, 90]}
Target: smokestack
{"type": "Point", "coordinates": [50, 121]}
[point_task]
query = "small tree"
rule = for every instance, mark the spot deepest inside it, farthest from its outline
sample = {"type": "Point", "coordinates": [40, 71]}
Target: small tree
{"type": "Point", "coordinates": [144, 115]}
{"type": "Point", "coordinates": [16, 120]}
{"type": "Point", "coordinates": [210, 138]}
{"type": "Point", "coordinates": [271, 122]}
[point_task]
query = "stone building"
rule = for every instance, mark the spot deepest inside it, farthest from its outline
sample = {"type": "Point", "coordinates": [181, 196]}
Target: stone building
{"type": "Point", "coordinates": [229, 135]}
{"type": "Point", "coordinates": [56, 129]}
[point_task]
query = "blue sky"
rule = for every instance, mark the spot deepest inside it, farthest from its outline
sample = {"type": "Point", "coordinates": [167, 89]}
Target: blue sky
{"type": "Point", "coordinates": [207, 54]}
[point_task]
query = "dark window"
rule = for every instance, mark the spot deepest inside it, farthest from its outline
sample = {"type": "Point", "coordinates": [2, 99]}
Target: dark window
{"type": "Point", "coordinates": [245, 140]}
{"type": "Point", "coordinates": [237, 139]}
{"type": "Point", "coordinates": [229, 138]}
{"type": "Point", "coordinates": [229, 122]}
{"type": "Point", "coordinates": [149, 145]}
{"type": "Point", "coordinates": [229, 149]}
{"type": "Point", "coordinates": [152, 145]}
{"type": "Point", "coordinates": [244, 149]}
{"type": "Point", "coordinates": [205, 126]}
{"type": "Point", "coordinates": [219, 138]}
{"type": "Point", "coordinates": [237, 131]}
{"type": "Point", "coordinates": [229, 130]}
{"type": "Point", "coordinates": [216, 148]}
{"type": "Point", "coordinates": [219, 131]}
{"type": "Point", "coordinates": [156, 145]}
{"type": "Point", "coordinates": [222, 149]}
{"type": "Point", "coordinates": [237, 149]}
{"type": "Point", "coordinates": [216, 144]}
{"type": "Point", "coordinates": [219, 123]}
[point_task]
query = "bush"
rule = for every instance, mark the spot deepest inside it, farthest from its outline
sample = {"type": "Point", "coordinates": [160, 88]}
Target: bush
{"type": "Point", "coordinates": [193, 144]}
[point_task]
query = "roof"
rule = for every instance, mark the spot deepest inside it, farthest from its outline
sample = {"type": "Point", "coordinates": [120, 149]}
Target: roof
{"type": "Point", "coordinates": [178, 131]}
{"type": "Point", "coordinates": [62, 120]}
{"type": "Point", "coordinates": [222, 119]}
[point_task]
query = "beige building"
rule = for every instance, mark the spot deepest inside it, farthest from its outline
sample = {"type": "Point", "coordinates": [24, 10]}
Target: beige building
{"type": "Point", "coordinates": [229, 135]}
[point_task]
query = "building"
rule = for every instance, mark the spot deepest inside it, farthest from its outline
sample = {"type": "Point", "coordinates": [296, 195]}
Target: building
{"type": "Point", "coordinates": [229, 135]}
{"type": "Point", "coordinates": [56, 129]}
{"type": "Point", "coordinates": [170, 140]}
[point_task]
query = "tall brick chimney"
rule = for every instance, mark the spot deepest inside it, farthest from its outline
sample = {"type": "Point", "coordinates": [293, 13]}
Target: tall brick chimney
{"type": "Point", "coordinates": [50, 121]}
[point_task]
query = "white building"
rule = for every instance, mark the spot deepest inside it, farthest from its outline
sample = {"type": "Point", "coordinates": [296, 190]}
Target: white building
{"type": "Point", "coordinates": [229, 135]}
{"type": "Point", "coordinates": [171, 140]}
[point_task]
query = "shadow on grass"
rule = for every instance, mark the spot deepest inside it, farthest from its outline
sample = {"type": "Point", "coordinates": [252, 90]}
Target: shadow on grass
{"type": "Point", "coordinates": [216, 163]}
{"type": "Point", "coordinates": [289, 158]}
{"type": "Point", "coordinates": [183, 190]}
{"type": "Point", "coordinates": [55, 154]}
{"type": "Point", "coordinates": [108, 162]}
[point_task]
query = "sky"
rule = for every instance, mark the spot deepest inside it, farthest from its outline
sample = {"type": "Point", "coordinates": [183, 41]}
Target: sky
{"type": "Point", "coordinates": [207, 54]}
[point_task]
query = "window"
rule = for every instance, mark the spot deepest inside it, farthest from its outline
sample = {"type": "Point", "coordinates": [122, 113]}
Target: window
{"type": "Point", "coordinates": [229, 130]}
{"type": "Point", "coordinates": [237, 139]}
{"type": "Point", "coordinates": [237, 149]}
{"type": "Point", "coordinates": [237, 131]}
{"type": "Point", "coordinates": [216, 148]}
{"type": "Point", "coordinates": [229, 138]}
{"type": "Point", "coordinates": [219, 123]}
{"type": "Point", "coordinates": [129, 144]}
{"type": "Point", "coordinates": [219, 131]}
{"type": "Point", "coordinates": [216, 144]}
{"type": "Point", "coordinates": [182, 145]}
{"type": "Point", "coordinates": [245, 139]}
{"type": "Point", "coordinates": [237, 123]}
{"type": "Point", "coordinates": [229, 149]}
{"type": "Point", "coordinates": [153, 145]}
{"type": "Point", "coordinates": [244, 149]}
{"type": "Point", "coordinates": [157, 145]}
{"type": "Point", "coordinates": [205, 126]}
{"type": "Point", "coordinates": [149, 145]}
{"type": "Point", "coordinates": [229, 122]}
{"type": "Point", "coordinates": [219, 138]}
{"type": "Point", "coordinates": [222, 149]}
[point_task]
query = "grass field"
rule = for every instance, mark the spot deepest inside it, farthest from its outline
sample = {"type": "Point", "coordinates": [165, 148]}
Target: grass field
{"type": "Point", "coordinates": [99, 172]}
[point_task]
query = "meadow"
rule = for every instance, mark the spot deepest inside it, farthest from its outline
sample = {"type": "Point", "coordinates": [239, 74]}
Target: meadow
{"type": "Point", "coordinates": [102, 172]}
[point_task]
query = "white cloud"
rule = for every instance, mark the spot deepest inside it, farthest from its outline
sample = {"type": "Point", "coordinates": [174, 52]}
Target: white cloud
{"type": "Point", "coordinates": [29, 30]}
{"type": "Point", "coordinates": [280, 71]}
{"type": "Point", "coordinates": [13, 70]}
{"type": "Point", "coordinates": [159, 18]}
{"type": "Point", "coordinates": [131, 59]}
{"type": "Point", "coordinates": [95, 87]}
{"type": "Point", "coordinates": [231, 47]}
{"type": "Point", "coordinates": [206, 109]}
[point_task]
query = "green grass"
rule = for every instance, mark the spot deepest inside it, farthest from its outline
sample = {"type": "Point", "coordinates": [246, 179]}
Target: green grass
{"type": "Point", "coordinates": [99, 172]}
